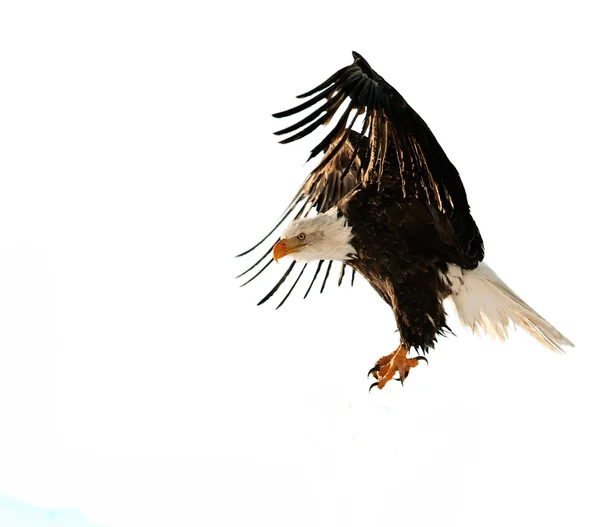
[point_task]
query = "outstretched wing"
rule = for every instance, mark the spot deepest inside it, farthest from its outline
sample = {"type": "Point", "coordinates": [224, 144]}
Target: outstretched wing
{"type": "Point", "coordinates": [397, 150]}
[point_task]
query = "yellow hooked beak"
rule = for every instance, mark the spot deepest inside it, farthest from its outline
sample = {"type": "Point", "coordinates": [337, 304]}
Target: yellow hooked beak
{"type": "Point", "coordinates": [284, 247]}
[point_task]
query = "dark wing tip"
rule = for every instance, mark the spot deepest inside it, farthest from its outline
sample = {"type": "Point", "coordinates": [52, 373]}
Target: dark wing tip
{"type": "Point", "coordinates": [361, 61]}
{"type": "Point", "coordinates": [278, 284]}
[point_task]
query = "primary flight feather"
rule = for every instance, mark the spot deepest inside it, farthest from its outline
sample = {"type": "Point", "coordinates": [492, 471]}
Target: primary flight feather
{"type": "Point", "coordinates": [391, 206]}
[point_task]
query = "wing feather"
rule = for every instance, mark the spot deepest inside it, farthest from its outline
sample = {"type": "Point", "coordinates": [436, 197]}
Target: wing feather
{"type": "Point", "coordinates": [278, 284]}
{"type": "Point", "coordinates": [326, 275]}
{"type": "Point", "coordinates": [293, 286]}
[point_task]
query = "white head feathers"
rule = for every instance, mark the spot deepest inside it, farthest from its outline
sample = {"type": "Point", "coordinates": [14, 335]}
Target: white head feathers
{"type": "Point", "coordinates": [326, 237]}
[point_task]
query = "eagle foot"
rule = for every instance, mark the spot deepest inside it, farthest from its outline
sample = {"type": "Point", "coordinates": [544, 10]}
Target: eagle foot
{"type": "Point", "coordinates": [387, 366]}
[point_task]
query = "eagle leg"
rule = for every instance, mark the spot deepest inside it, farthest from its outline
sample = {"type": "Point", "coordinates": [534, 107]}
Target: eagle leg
{"type": "Point", "coordinates": [387, 366]}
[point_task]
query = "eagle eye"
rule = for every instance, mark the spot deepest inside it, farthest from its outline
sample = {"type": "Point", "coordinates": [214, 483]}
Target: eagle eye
{"type": "Point", "coordinates": [301, 236]}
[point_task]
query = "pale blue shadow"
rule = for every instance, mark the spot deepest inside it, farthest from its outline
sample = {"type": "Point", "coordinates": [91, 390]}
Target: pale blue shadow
{"type": "Point", "coordinates": [14, 513]}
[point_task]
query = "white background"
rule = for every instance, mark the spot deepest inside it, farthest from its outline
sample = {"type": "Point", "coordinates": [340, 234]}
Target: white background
{"type": "Point", "coordinates": [140, 385]}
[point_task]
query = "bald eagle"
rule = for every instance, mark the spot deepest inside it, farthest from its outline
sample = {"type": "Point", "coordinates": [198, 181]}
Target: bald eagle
{"type": "Point", "coordinates": [391, 206]}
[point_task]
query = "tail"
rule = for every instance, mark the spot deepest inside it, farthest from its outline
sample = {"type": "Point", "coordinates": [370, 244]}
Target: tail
{"type": "Point", "coordinates": [486, 304]}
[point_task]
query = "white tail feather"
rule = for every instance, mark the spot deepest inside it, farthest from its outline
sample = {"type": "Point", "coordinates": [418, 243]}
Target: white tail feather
{"type": "Point", "coordinates": [486, 304]}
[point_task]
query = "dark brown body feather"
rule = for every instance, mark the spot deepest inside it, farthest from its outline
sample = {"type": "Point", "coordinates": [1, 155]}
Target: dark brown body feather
{"type": "Point", "coordinates": [404, 263]}
{"type": "Point", "coordinates": [399, 191]}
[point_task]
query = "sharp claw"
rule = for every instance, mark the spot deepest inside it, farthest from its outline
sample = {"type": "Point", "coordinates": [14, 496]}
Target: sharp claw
{"type": "Point", "coordinates": [420, 357]}
{"type": "Point", "coordinates": [373, 385]}
{"type": "Point", "coordinates": [373, 370]}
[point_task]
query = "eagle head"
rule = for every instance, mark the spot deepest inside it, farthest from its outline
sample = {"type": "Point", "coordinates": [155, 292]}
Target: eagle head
{"type": "Point", "coordinates": [323, 237]}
